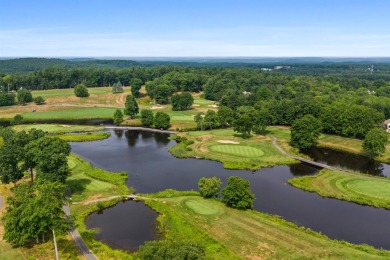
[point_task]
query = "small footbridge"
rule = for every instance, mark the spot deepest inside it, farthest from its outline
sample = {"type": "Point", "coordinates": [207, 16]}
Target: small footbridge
{"type": "Point", "coordinates": [304, 160]}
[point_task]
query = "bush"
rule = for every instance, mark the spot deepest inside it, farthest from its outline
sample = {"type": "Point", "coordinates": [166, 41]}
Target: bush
{"type": "Point", "coordinates": [237, 193]}
{"type": "Point", "coordinates": [171, 250]}
{"type": "Point", "coordinates": [81, 91]}
{"type": "Point", "coordinates": [39, 100]}
{"type": "Point", "coordinates": [17, 120]}
{"type": "Point", "coordinates": [118, 117]}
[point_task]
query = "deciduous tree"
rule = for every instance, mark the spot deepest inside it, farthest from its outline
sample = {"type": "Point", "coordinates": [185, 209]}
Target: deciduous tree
{"type": "Point", "coordinates": [305, 132]}
{"type": "Point", "coordinates": [81, 91]}
{"type": "Point", "coordinates": [375, 142]}
{"type": "Point", "coordinates": [209, 187]}
{"type": "Point", "coordinates": [147, 117]}
{"type": "Point", "coordinates": [237, 193]}
{"type": "Point", "coordinates": [162, 120]}
{"type": "Point", "coordinates": [131, 106]}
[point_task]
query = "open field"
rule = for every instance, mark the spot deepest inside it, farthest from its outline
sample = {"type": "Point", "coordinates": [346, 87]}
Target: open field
{"type": "Point", "coordinates": [248, 234]}
{"type": "Point", "coordinates": [101, 104]}
{"type": "Point", "coordinates": [232, 150]}
{"type": "Point", "coordinates": [358, 188]}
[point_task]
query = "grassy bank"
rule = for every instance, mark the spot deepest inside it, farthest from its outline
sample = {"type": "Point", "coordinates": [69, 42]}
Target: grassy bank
{"type": "Point", "coordinates": [232, 150]}
{"type": "Point", "coordinates": [248, 234]}
{"type": "Point", "coordinates": [89, 184]}
{"type": "Point", "coordinates": [88, 137]}
{"type": "Point", "coordinates": [354, 187]}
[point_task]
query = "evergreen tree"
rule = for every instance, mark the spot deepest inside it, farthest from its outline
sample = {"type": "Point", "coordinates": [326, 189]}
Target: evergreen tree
{"type": "Point", "coordinates": [131, 106]}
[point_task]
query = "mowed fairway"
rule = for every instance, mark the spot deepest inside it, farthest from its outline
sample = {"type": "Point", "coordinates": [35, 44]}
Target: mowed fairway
{"type": "Point", "coordinates": [239, 150]}
{"type": "Point", "coordinates": [353, 187]}
{"type": "Point", "coordinates": [253, 235]}
{"type": "Point", "coordinates": [73, 113]}
{"type": "Point", "coordinates": [56, 128]}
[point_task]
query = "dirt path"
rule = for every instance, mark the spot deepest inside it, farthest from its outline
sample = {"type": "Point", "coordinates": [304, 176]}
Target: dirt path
{"type": "Point", "coordinates": [79, 241]}
{"type": "Point", "coordinates": [120, 100]}
{"type": "Point", "coordinates": [1, 201]}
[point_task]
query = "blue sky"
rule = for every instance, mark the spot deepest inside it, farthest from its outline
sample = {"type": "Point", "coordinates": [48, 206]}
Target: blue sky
{"type": "Point", "coordinates": [195, 28]}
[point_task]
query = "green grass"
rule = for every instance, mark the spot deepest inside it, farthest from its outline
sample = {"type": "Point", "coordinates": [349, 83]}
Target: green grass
{"type": "Point", "coordinates": [57, 128]}
{"type": "Point", "coordinates": [228, 233]}
{"type": "Point", "coordinates": [89, 137]}
{"type": "Point", "coordinates": [66, 92]}
{"type": "Point", "coordinates": [7, 252]}
{"type": "Point", "coordinates": [73, 113]}
{"type": "Point", "coordinates": [238, 150]}
{"type": "Point", "coordinates": [87, 181]}
{"type": "Point", "coordinates": [354, 187]}
{"type": "Point", "coordinates": [248, 153]}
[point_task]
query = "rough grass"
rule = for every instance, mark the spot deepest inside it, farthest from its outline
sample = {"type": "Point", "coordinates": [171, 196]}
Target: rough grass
{"type": "Point", "coordinates": [7, 252]}
{"type": "Point", "coordinates": [248, 234]}
{"type": "Point", "coordinates": [251, 153]}
{"type": "Point", "coordinates": [238, 150]}
{"type": "Point", "coordinates": [57, 128]}
{"type": "Point", "coordinates": [354, 187]}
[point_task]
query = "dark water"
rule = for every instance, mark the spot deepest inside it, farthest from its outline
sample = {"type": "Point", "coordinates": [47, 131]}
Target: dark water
{"type": "Point", "coordinates": [349, 161]}
{"type": "Point", "coordinates": [130, 223]}
{"type": "Point", "coordinates": [152, 168]}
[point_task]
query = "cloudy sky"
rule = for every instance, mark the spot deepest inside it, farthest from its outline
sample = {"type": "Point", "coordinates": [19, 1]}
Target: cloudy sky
{"type": "Point", "coordinates": [195, 28]}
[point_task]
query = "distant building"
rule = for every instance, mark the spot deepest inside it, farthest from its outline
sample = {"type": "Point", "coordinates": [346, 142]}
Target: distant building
{"type": "Point", "coordinates": [281, 67]}
{"type": "Point", "coordinates": [387, 125]}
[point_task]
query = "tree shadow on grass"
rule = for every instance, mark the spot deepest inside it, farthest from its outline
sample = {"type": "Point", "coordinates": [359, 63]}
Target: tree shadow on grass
{"type": "Point", "coordinates": [78, 186]}
{"type": "Point", "coordinates": [243, 136]}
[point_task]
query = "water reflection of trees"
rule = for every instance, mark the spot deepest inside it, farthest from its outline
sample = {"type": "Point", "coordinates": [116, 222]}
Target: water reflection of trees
{"type": "Point", "coordinates": [302, 169]}
{"type": "Point", "coordinates": [161, 139]}
{"type": "Point", "coordinates": [132, 137]}
{"type": "Point", "coordinates": [118, 133]}
{"type": "Point", "coordinates": [347, 161]}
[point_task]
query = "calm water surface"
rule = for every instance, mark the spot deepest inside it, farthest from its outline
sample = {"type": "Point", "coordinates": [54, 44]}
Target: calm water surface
{"type": "Point", "coordinates": [151, 168]}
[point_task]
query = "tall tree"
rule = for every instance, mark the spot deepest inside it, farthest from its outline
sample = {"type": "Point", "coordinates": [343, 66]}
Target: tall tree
{"type": "Point", "coordinates": [375, 142]}
{"type": "Point", "coordinates": [182, 101]}
{"type": "Point", "coordinates": [118, 117]}
{"type": "Point", "coordinates": [305, 132]}
{"type": "Point", "coordinates": [49, 154]}
{"type": "Point", "coordinates": [210, 120]}
{"type": "Point", "coordinates": [33, 211]}
{"type": "Point", "coordinates": [136, 85]}
{"type": "Point", "coordinates": [24, 96]}
{"type": "Point", "coordinates": [225, 116]}
{"type": "Point", "coordinates": [131, 106]}
{"type": "Point", "coordinates": [162, 120]}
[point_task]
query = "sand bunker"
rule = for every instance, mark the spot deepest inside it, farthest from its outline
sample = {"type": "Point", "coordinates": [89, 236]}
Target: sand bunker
{"type": "Point", "coordinates": [156, 107]}
{"type": "Point", "coordinates": [213, 105]}
{"type": "Point", "coordinates": [227, 142]}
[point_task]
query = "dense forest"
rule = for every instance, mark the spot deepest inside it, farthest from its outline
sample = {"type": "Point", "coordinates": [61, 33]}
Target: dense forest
{"type": "Point", "coordinates": [349, 99]}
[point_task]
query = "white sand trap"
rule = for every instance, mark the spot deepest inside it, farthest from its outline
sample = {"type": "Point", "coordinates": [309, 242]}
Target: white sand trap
{"type": "Point", "coordinates": [227, 142]}
{"type": "Point", "coordinates": [195, 105]}
{"type": "Point", "coordinates": [213, 105]}
{"type": "Point", "coordinates": [156, 107]}
{"type": "Point", "coordinates": [65, 125]}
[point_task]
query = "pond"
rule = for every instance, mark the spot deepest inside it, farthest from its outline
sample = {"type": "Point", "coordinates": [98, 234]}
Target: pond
{"type": "Point", "coordinates": [151, 168]}
{"type": "Point", "coordinates": [131, 223]}
{"type": "Point", "coordinates": [349, 161]}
